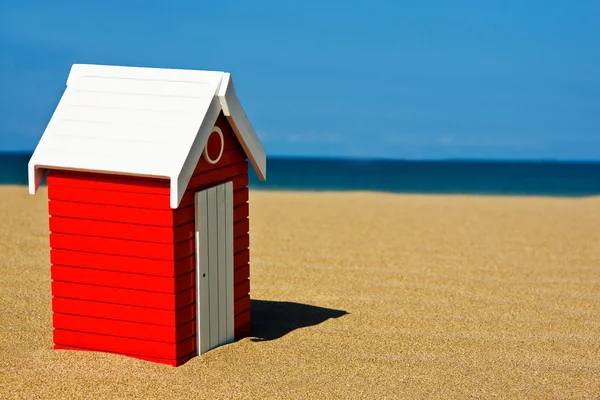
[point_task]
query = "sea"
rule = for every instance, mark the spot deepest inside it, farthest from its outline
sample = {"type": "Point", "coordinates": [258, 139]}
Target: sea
{"type": "Point", "coordinates": [535, 178]}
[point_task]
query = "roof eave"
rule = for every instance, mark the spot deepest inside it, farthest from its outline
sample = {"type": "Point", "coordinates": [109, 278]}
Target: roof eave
{"type": "Point", "coordinates": [181, 179]}
{"type": "Point", "coordinates": [232, 109]}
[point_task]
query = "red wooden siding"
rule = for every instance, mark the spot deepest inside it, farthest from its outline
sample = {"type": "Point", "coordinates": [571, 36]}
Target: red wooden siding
{"type": "Point", "coordinates": [123, 280]}
{"type": "Point", "coordinates": [123, 261]}
{"type": "Point", "coordinates": [163, 301]}
{"type": "Point", "coordinates": [132, 330]}
{"type": "Point", "coordinates": [134, 265]}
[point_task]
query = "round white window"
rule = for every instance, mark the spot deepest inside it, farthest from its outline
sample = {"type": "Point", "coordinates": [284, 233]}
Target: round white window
{"type": "Point", "coordinates": [214, 146]}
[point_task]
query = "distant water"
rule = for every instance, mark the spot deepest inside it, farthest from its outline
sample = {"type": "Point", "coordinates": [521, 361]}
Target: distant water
{"type": "Point", "coordinates": [450, 177]}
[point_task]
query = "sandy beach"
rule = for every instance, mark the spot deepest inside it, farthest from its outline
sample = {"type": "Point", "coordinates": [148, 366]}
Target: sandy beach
{"type": "Point", "coordinates": [355, 295]}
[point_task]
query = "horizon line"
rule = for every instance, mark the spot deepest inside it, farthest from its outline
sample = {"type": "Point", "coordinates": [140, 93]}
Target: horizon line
{"type": "Point", "coordinates": [390, 159]}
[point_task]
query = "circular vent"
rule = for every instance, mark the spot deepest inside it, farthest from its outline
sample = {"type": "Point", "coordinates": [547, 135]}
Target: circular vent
{"type": "Point", "coordinates": [214, 146]}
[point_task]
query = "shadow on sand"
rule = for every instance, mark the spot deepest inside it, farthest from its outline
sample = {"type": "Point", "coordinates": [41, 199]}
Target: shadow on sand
{"type": "Point", "coordinates": [274, 319]}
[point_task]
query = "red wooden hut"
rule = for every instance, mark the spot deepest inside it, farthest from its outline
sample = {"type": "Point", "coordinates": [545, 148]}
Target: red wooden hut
{"type": "Point", "coordinates": [147, 174]}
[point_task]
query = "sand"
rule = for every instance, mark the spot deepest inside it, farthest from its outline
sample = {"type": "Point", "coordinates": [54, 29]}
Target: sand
{"type": "Point", "coordinates": [357, 295]}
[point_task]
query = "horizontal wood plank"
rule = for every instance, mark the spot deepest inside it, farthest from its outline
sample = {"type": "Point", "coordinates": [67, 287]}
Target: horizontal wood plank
{"type": "Point", "coordinates": [219, 173]}
{"type": "Point", "coordinates": [134, 330]}
{"type": "Point", "coordinates": [183, 215]}
{"type": "Point", "coordinates": [121, 312]}
{"type": "Point", "coordinates": [241, 243]}
{"type": "Point", "coordinates": [241, 258]}
{"type": "Point", "coordinates": [237, 173]}
{"type": "Point", "coordinates": [241, 274]}
{"type": "Point", "coordinates": [126, 199]}
{"type": "Point", "coordinates": [240, 212]}
{"type": "Point", "coordinates": [241, 305]}
{"type": "Point", "coordinates": [131, 215]}
{"type": "Point", "coordinates": [120, 247]}
{"type": "Point", "coordinates": [98, 181]}
{"type": "Point", "coordinates": [123, 280]}
{"type": "Point", "coordinates": [117, 230]}
{"type": "Point", "coordinates": [117, 295]}
{"type": "Point", "coordinates": [241, 289]}
{"type": "Point", "coordinates": [242, 319]}
{"type": "Point", "coordinates": [229, 157]}
{"type": "Point", "coordinates": [239, 182]}
{"type": "Point", "coordinates": [241, 227]}
{"type": "Point", "coordinates": [134, 265]}
{"type": "Point", "coordinates": [240, 196]}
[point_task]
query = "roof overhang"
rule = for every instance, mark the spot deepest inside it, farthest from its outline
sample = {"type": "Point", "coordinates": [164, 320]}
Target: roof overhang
{"type": "Point", "coordinates": [59, 150]}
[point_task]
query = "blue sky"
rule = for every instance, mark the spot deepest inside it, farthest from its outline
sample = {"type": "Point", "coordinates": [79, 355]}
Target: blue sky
{"type": "Point", "coordinates": [392, 79]}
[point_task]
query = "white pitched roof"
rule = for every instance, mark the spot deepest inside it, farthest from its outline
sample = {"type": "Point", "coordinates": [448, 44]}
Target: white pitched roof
{"type": "Point", "coordinates": [140, 121]}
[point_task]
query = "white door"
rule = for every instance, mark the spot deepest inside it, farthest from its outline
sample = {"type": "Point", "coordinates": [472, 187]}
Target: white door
{"type": "Point", "coordinates": [214, 267]}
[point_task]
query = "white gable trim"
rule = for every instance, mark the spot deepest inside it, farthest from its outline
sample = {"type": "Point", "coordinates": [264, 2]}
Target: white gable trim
{"type": "Point", "coordinates": [242, 127]}
{"type": "Point", "coordinates": [57, 151]}
{"type": "Point", "coordinates": [180, 183]}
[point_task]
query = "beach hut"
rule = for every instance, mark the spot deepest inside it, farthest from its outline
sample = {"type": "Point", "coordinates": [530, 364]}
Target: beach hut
{"type": "Point", "coordinates": [147, 175]}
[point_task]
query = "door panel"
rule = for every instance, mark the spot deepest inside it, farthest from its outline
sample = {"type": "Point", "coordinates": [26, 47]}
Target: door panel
{"type": "Point", "coordinates": [229, 261]}
{"type": "Point", "coordinates": [214, 266]}
{"type": "Point", "coordinates": [221, 246]}
{"type": "Point", "coordinates": [202, 262]}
